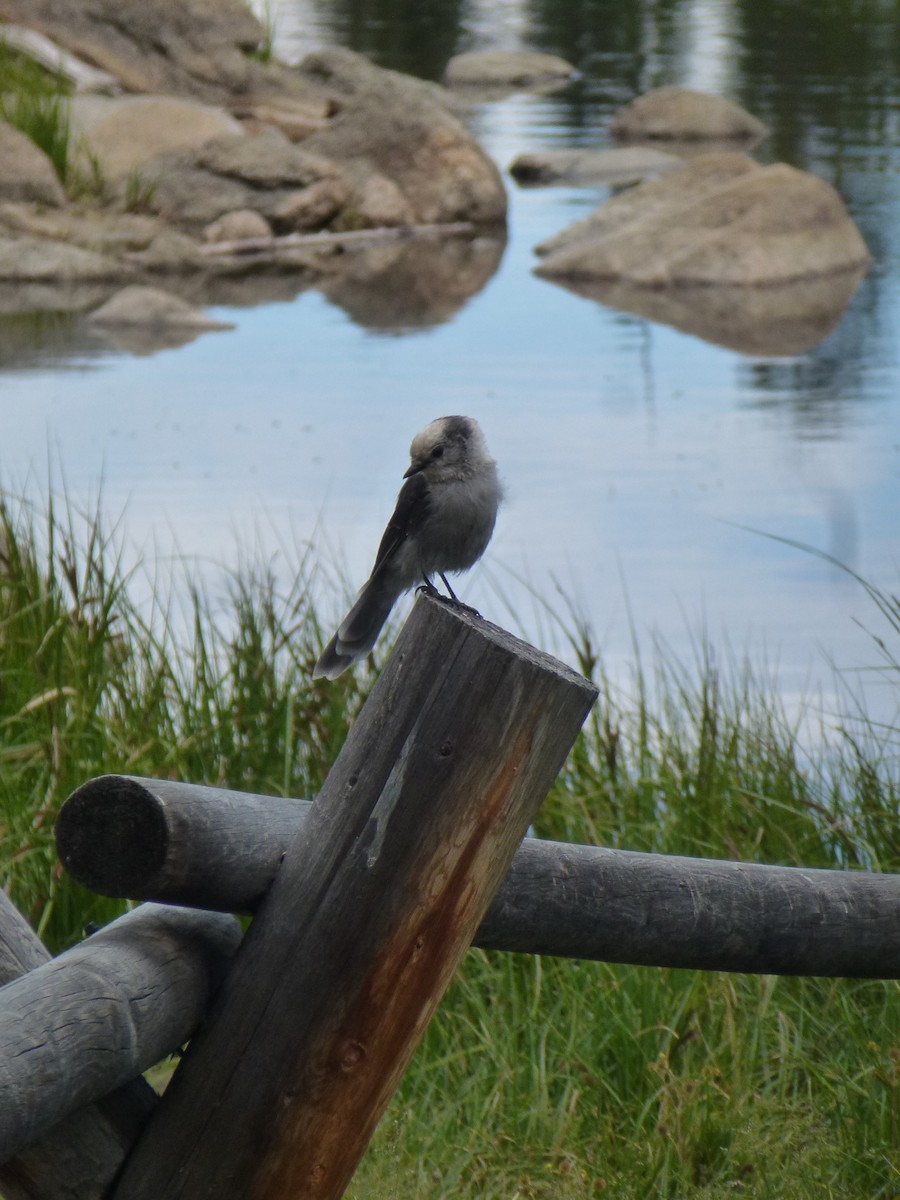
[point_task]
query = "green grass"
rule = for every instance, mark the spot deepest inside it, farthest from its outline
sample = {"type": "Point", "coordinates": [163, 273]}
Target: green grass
{"type": "Point", "coordinates": [37, 103]}
{"type": "Point", "coordinates": [538, 1077]}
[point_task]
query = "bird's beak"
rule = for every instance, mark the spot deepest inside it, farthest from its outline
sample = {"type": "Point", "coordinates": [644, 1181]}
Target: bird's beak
{"type": "Point", "coordinates": [413, 469]}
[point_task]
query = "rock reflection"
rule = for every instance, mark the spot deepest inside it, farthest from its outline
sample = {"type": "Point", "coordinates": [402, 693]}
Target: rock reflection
{"type": "Point", "coordinates": [415, 284]}
{"type": "Point", "coordinates": [775, 321]}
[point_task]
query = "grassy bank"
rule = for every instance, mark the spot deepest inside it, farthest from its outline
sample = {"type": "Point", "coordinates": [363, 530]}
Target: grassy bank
{"type": "Point", "coordinates": [539, 1077]}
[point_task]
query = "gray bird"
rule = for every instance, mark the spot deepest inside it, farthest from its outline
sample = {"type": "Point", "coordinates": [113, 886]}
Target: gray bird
{"type": "Point", "coordinates": [442, 522]}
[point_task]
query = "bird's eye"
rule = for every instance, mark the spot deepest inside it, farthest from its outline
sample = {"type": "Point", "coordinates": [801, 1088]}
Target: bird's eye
{"type": "Point", "coordinates": [437, 452]}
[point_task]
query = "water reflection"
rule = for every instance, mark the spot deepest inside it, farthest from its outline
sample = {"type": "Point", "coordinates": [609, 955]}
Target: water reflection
{"type": "Point", "coordinates": [778, 321]}
{"type": "Point", "coordinates": [414, 36]}
{"type": "Point", "coordinates": [395, 286]}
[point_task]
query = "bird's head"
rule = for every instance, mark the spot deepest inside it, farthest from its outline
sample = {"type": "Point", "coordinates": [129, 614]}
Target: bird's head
{"type": "Point", "coordinates": [449, 448]}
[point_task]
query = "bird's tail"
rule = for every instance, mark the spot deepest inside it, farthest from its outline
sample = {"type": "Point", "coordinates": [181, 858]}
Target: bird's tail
{"type": "Point", "coordinates": [359, 630]}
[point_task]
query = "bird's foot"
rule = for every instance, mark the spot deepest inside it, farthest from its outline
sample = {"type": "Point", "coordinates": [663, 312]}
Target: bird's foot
{"type": "Point", "coordinates": [427, 588]}
{"type": "Point", "coordinates": [452, 601]}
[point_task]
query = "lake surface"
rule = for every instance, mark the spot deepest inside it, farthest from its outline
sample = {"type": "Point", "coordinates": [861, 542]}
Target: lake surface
{"type": "Point", "coordinates": [649, 473]}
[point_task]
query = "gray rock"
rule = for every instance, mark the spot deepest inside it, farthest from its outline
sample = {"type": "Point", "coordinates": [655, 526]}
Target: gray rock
{"type": "Point", "coordinates": [344, 76]}
{"type": "Point", "coordinates": [262, 172]}
{"type": "Point", "coordinates": [26, 258]}
{"type": "Point", "coordinates": [313, 206]}
{"type": "Point", "coordinates": [682, 114]}
{"type": "Point", "coordinates": [655, 199]}
{"type": "Point", "coordinates": [507, 68]}
{"type": "Point", "coordinates": [174, 253]}
{"type": "Point", "coordinates": [186, 47]}
{"type": "Point", "coordinates": [266, 160]}
{"type": "Point", "coordinates": [721, 219]}
{"type": "Point", "coordinates": [123, 133]}
{"type": "Point", "coordinates": [26, 173]}
{"type": "Point", "coordinates": [392, 126]}
{"type": "Point", "coordinates": [238, 226]}
{"type": "Point", "coordinates": [584, 168]}
{"type": "Point", "coordinates": [380, 203]}
{"type": "Point", "coordinates": [296, 117]}
{"type": "Point", "coordinates": [102, 231]}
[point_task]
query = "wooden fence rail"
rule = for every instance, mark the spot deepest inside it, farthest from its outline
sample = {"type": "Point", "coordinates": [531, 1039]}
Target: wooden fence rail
{"type": "Point", "coordinates": [80, 1156]}
{"type": "Point", "coordinates": [81, 1025]}
{"type": "Point", "coordinates": [186, 844]}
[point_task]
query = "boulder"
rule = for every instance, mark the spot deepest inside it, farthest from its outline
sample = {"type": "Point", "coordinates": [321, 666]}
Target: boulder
{"type": "Point", "coordinates": [313, 206]}
{"type": "Point", "coordinates": [344, 78]}
{"type": "Point", "coordinates": [123, 133]}
{"type": "Point", "coordinates": [396, 127]}
{"type": "Point", "coordinates": [239, 226]}
{"type": "Point", "coordinates": [740, 224]}
{"type": "Point", "coordinates": [184, 47]}
{"type": "Point", "coordinates": [27, 258]}
{"type": "Point", "coordinates": [26, 173]}
{"type": "Point", "coordinates": [102, 231]}
{"type": "Point", "coordinates": [586, 168]}
{"type": "Point", "coordinates": [260, 171]}
{"type": "Point", "coordinates": [654, 199]}
{"type": "Point", "coordinates": [683, 114]}
{"type": "Point", "coordinates": [507, 69]}
{"type": "Point", "coordinates": [296, 117]}
{"type": "Point", "coordinates": [380, 203]}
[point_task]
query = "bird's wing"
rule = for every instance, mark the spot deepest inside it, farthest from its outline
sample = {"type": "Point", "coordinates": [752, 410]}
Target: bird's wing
{"type": "Point", "coordinates": [412, 507]}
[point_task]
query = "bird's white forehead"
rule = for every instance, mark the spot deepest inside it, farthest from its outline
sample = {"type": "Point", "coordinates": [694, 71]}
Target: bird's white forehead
{"type": "Point", "coordinates": [442, 428]}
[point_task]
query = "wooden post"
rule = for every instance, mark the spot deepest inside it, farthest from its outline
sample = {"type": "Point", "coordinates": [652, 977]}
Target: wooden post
{"type": "Point", "coordinates": [78, 1158]}
{"type": "Point", "coordinates": [181, 843]}
{"type": "Point", "coordinates": [83, 1024]}
{"type": "Point", "coordinates": [370, 912]}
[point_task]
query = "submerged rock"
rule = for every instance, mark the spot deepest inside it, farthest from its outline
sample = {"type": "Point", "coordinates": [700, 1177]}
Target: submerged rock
{"type": "Point", "coordinates": [721, 219]}
{"type": "Point", "coordinates": [682, 114]}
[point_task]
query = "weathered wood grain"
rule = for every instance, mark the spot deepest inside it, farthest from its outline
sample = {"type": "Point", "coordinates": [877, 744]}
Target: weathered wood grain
{"type": "Point", "coordinates": [79, 1026]}
{"type": "Point", "coordinates": [78, 1158]}
{"type": "Point", "coordinates": [375, 903]}
{"type": "Point", "coordinates": [187, 844]}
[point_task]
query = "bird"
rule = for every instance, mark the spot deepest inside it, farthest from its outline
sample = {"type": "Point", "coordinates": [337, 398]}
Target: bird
{"type": "Point", "coordinates": [442, 522]}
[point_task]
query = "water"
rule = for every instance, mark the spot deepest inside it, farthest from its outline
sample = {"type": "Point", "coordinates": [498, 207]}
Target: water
{"type": "Point", "coordinates": [649, 473]}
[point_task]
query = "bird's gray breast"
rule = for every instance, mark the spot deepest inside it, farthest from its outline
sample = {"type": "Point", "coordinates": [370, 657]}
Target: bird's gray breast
{"type": "Point", "coordinates": [459, 525]}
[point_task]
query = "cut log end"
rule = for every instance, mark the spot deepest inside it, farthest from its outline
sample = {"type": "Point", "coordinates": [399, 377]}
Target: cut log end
{"type": "Point", "coordinates": [112, 836]}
